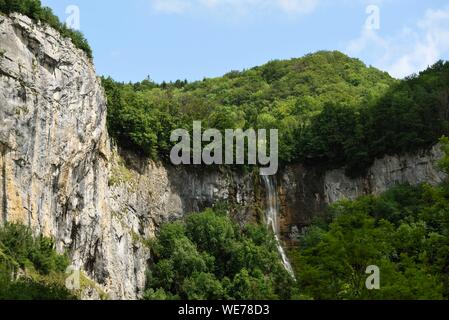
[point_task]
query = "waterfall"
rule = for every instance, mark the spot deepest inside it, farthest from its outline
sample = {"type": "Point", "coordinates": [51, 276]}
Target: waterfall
{"type": "Point", "coordinates": [272, 219]}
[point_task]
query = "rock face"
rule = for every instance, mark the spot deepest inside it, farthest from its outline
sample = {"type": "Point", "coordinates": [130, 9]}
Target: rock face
{"type": "Point", "coordinates": [143, 194]}
{"type": "Point", "coordinates": [52, 140]}
{"type": "Point", "coordinates": [60, 175]}
{"type": "Point", "coordinates": [161, 192]}
{"type": "Point", "coordinates": [306, 192]}
{"type": "Point", "coordinates": [385, 173]}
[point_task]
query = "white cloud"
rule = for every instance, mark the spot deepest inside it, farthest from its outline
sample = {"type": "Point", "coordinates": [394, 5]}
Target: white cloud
{"type": "Point", "coordinates": [411, 49]}
{"type": "Point", "coordinates": [235, 6]}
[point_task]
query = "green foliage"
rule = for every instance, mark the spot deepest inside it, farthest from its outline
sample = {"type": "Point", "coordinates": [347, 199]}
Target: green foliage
{"type": "Point", "coordinates": [281, 94]}
{"type": "Point", "coordinates": [35, 10]}
{"type": "Point", "coordinates": [330, 109]}
{"type": "Point", "coordinates": [18, 243]}
{"type": "Point", "coordinates": [404, 232]}
{"type": "Point", "coordinates": [413, 114]}
{"type": "Point", "coordinates": [210, 257]}
{"type": "Point", "coordinates": [40, 268]}
{"type": "Point", "coordinates": [140, 121]}
{"type": "Point", "coordinates": [27, 289]}
{"type": "Point", "coordinates": [444, 163]}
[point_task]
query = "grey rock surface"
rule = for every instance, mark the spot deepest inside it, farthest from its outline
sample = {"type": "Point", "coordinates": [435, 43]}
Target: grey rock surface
{"type": "Point", "coordinates": [413, 169]}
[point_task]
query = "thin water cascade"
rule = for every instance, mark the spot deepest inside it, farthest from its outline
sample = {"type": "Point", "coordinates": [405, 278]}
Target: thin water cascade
{"type": "Point", "coordinates": [272, 219]}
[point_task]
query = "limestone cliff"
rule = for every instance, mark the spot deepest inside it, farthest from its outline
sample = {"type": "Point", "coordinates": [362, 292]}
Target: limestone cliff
{"type": "Point", "coordinates": [53, 141]}
{"type": "Point", "coordinates": [304, 192]}
{"type": "Point", "coordinates": [59, 175]}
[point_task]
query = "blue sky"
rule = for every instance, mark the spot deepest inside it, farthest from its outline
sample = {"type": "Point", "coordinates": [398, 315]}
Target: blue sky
{"type": "Point", "coordinates": [192, 39]}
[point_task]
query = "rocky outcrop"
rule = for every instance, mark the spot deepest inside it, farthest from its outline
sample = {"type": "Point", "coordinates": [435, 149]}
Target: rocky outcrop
{"type": "Point", "coordinates": [414, 169]}
{"type": "Point", "coordinates": [161, 192]}
{"type": "Point", "coordinates": [53, 141]}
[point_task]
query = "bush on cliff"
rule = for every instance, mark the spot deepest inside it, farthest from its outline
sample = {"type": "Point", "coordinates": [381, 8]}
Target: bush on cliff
{"type": "Point", "coordinates": [35, 10]}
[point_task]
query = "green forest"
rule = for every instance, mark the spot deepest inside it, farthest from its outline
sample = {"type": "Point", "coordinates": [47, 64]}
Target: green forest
{"type": "Point", "coordinates": [330, 109]}
{"type": "Point", "coordinates": [30, 267]}
{"type": "Point", "coordinates": [405, 232]}
{"type": "Point", "coordinates": [209, 257]}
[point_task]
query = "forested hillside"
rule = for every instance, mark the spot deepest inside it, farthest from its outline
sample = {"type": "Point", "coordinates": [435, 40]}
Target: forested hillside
{"type": "Point", "coordinates": [330, 109]}
{"type": "Point", "coordinates": [281, 94]}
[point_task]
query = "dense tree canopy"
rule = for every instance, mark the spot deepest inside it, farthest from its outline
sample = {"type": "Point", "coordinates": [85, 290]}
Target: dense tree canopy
{"type": "Point", "coordinates": [330, 109]}
{"type": "Point", "coordinates": [413, 114]}
{"type": "Point", "coordinates": [35, 10]}
{"type": "Point", "coordinates": [210, 257]}
{"type": "Point", "coordinates": [280, 94]}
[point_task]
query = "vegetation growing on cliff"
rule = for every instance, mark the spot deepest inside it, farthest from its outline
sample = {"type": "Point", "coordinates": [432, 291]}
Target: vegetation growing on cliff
{"type": "Point", "coordinates": [35, 10]}
{"type": "Point", "coordinates": [329, 109]}
{"type": "Point", "coordinates": [405, 232]}
{"type": "Point", "coordinates": [30, 268]}
{"type": "Point", "coordinates": [210, 257]}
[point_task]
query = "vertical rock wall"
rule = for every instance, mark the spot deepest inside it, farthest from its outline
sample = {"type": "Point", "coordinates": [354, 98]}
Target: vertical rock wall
{"type": "Point", "coordinates": [306, 192]}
